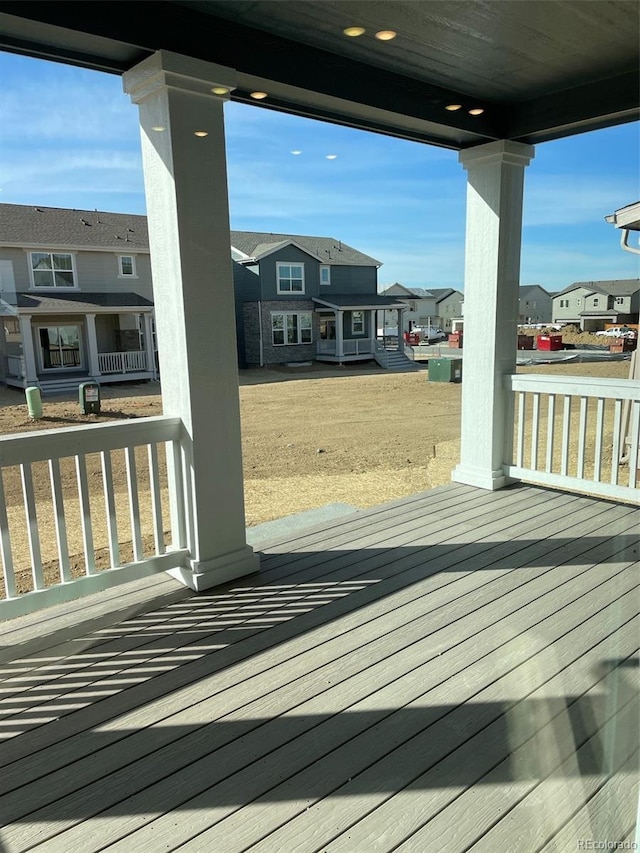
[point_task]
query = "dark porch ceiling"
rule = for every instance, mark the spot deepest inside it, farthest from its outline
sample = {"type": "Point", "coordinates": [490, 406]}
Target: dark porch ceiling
{"type": "Point", "coordinates": [540, 69]}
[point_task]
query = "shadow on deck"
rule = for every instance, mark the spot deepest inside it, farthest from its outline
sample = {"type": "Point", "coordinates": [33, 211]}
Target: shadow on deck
{"type": "Point", "coordinates": [452, 671]}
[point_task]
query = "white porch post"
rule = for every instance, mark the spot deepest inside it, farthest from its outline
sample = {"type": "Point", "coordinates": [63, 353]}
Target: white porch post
{"type": "Point", "coordinates": [28, 353]}
{"type": "Point", "coordinates": [147, 320]}
{"type": "Point", "coordinates": [492, 272]}
{"type": "Point", "coordinates": [400, 331]}
{"type": "Point", "coordinates": [339, 334]}
{"type": "Point", "coordinates": [92, 345]}
{"type": "Point", "coordinates": [183, 149]}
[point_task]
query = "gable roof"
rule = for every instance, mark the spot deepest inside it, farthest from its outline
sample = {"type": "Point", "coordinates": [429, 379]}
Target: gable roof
{"type": "Point", "coordinates": [53, 227]}
{"type": "Point", "coordinates": [527, 289]}
{"type": "Point", "coordinates": [445, 292]}
{"type": "Point", "coordinates": [612, 287]}
{"type": "Point", "coordinates": [327, 250]}
{"type": "Point", "coordinates": [407, 293]}
{"type": "Point", "coordinates": [56, 227]}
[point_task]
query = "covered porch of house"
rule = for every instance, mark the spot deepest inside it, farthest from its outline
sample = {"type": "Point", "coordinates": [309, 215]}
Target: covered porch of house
{"type": "Point", "coordinates": [467, 652]}
{"type": "Point", "coordinates": [455, 670]}
{"type": "Point", "coordinates": [348, 326]}
{"type": "Point", "coordinates": [56, 342]}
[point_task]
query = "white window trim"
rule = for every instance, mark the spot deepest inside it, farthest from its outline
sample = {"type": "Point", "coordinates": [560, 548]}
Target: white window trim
{"type": "Point", "coordinates": [289, 292]}
{"type": "Point", "coordinates": [32, 281]}
{"type": "Point", "coordinates": [363, 321]}
{"type": "Point", "coordinates": [285, 343]}
{"type": "Point", "coordinates": [40, 357]}
{"type": "Point", "coordinates": [122, 274]}
{"type": "Point", "coordinates": [328, 269]}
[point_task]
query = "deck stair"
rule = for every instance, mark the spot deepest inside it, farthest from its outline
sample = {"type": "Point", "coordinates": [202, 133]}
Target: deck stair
{"type": "Point", "coordinates": [394, 360]}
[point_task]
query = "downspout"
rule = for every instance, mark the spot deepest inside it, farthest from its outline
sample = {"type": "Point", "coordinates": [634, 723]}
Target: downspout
{"type": "Point", "coordinates": [624, 242]}
{"type": "Point", "coordinates": [260, 333]}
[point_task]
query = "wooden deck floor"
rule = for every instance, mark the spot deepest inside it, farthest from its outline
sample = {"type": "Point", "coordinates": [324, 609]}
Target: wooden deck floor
{"type": "Point", "coordinates": [452, 672]}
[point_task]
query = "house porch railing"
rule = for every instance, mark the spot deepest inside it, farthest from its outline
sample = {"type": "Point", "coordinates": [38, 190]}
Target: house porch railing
{"type": "Point", "coordinates": [16, 366]}
{"type": "Point", "coordinates": [82, 509]}
{"type": "Point", "coordinates": [361, 346]}
{"type": "Point", "coordinates": [122, 362]}
{"type": "Point", "coordinates": [577, 433]}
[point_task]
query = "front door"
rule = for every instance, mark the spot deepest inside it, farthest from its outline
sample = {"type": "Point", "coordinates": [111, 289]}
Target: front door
{"type": "Point", "coordinates": [327, 328]}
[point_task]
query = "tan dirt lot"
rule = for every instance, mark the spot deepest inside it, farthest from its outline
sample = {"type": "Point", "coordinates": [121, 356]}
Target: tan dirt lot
{"type": "Point", "coordinates": [310, 436]}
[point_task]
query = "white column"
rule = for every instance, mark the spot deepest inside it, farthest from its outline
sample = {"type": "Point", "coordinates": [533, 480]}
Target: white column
{"type": "Point", "coordinates": [92, 345]}
{"type": "Point", "coordinates": [28, 353]}
{"type": "Point", "coordinates": [400, 331]}
{"type": "Point", "coordinates": [339, 333]}
{"type": "Point", "coordinates": [183, 149]}
{"type": "Point", "coordinates": [492, 272]}
{"type": "Point", "coordinates": [147, 319]}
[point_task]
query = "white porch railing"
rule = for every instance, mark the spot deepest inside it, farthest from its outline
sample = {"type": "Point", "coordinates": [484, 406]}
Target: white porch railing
{"type": "Point", "coordinates": [349, 347]}
{"type": "Point", "coordinates": [122, 362]}
{"type": "Point", "coordinates": [15, 366]}
{"type": "Point", "coordinates": [579, 433]}
{"type": "Point", "coordinates": [79, 509]}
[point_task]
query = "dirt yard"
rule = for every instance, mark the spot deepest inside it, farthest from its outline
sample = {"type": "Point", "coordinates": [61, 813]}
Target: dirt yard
{"type": "Point", "coordinates": [310, 436]}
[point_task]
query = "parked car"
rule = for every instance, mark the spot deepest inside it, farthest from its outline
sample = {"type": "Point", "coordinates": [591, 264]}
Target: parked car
{"type": "Point", "coordinates": [619, 332]}
{"type": "Point", "coordinates": [429, 333]}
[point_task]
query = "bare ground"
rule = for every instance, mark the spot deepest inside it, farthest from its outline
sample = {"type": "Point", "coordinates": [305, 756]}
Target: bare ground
{"type": "Point", "coordinates": [310, 436]}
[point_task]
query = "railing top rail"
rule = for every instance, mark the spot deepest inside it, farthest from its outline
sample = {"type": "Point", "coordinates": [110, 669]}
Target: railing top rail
{"type": "Point", "coordinates": [575, 386]}
{"type": "Point", "coordinates": [41, 445]}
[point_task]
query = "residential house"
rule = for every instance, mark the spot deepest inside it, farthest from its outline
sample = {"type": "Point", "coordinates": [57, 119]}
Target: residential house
{"type": "Point", "coordinates": [437, 307]}
{"type": "Point", "coordinates": [534, 305]}
{"type": "Point", "coordinates": [300, 298]}
{"type": "Point", "coordinates": [592, 304]}
{"type": "Point", "coordinates": [448, 307]}
{"type": "Point", "coordinates": [75, 297]}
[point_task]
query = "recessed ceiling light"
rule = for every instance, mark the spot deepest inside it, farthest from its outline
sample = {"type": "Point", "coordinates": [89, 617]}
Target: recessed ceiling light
{"type": "Point", "coordinates": [386, 35]}
{"type": "Point", "coordinates": [158, 128]}
{"type": "Point", "coordinates": [476, 112]}
{"type": "Point", "coordinates": [258, 96]}
{"type": "Point", "coordinates": [332, 156]}
{"type": "Point", "coordinates": [201, 133]}
{"type": "Point", "coordinates": [296, 152]}
{"type": "Point", "coordinates": [353, 32]}
{"type": "Point", "coordinates": [220, 90]}
{"type": "Point", "coordinates": [453, 107]}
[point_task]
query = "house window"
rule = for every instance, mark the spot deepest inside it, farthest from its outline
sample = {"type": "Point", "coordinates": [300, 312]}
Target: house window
{"type": "Point", "coordinates": [325, 274]}
{"type": "Point", "coordinates": [127, 266]}
{"type": "Point", "coordinates": [619, 300]}
{"type": "Point", "coordinates": [290, 278]}
{"type": "Point", "coordinates": [596, 302]}
{"type": "Point", "coordinates": [357, 322]}
{"type": "Point", "coordinates": [52, 269]}
{"type": "Point", "coordinates": [291, 328]}
{"type": "Point", "coordinates": [60, 347]}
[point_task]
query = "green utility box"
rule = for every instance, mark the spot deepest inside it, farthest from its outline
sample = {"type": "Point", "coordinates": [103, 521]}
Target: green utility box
{"type": "Point", "coordinates": [90, 398]}
{"type": "Point", "coordinates": [445, 370]}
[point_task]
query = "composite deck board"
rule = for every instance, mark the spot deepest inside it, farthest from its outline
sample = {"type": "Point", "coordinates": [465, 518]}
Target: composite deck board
{"type": "Point", "coordinates": [316, 704]}
{"type": "Point", "coordinates": [304, 642]}
{"type": "Point", "coordinates": [10, 703]}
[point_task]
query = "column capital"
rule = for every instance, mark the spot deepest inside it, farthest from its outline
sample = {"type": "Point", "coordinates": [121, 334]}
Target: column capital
{"type": "Point", "coordinates": [165, 69]}
{"type": "Point", "coordinates": [495, 153]}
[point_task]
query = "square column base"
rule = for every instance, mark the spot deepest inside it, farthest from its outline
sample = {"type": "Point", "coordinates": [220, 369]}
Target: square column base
{"type": "Point", "coordinates": [210, 573]}
{"type": "Point", "coordinates": [483, 479]}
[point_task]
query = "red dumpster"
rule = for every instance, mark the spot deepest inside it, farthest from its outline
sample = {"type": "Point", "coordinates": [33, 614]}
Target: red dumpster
{"type": "Point", "coordinates": [549, 342]}
{"type": "Point", "coordinates": [455, 340]}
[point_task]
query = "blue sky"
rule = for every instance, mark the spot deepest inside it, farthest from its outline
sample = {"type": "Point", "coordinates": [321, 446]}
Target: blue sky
{"type": "Point", "coordinates": [69, 138]}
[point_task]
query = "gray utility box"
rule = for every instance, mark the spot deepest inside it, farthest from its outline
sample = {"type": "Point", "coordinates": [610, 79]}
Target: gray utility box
{"type": "Point", "coordinates": [89, 398]}
{"type": "Point", "coordinates": [445, 370]}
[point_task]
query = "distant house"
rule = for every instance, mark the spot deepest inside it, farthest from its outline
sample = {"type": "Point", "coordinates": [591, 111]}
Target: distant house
{"type": "Point", "coordinates": [436, 307]}
{"type": "Point", "coordinates": [534, 305]}
{"type": "Point", "coordinates": [592, 304]}
{"type": "Point", "coordinates": [75, 297]}
{"type": "Point", "coordinates": [300, 298]}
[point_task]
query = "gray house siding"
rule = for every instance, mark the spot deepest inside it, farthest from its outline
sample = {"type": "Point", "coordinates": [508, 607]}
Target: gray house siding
{"type": "Point", "coordinates": [350, 279]}
{"type": "Point", "coordinates": [289, 254]}
{"type": "Point", "coordinates": [94, 271]}
{"type": "Point", "coordinates": [246, 289]}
